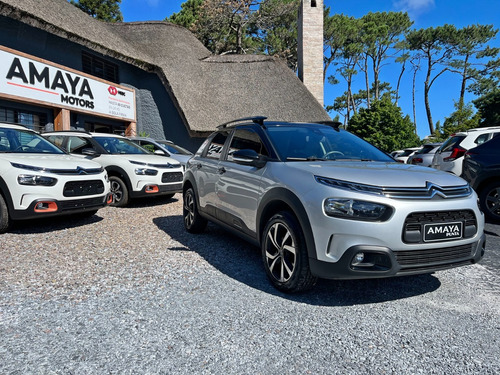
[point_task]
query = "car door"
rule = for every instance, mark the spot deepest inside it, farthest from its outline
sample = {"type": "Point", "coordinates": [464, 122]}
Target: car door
{"type": "Point", "coordinates": [238, 187]}
{"type": "Point", "coordinates": [206, 172]}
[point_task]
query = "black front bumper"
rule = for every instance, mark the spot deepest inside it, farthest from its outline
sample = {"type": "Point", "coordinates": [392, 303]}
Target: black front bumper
{"type": "Point", "coordinates": [384, 262]}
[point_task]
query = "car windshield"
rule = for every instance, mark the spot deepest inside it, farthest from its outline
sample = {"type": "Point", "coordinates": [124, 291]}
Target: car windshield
{"type": "Point", "coordinates": [317, 142]}
{"type": "Point", "coordinates": [114, 145]}
{"type": "Point", "coordinates": [174, 149]}
{"type": "Point", "coordinates": [25, 142]}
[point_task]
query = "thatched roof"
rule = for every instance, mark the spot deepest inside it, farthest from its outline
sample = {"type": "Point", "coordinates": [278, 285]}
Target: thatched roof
{"type": "Point", "coordinates": [208, 90]}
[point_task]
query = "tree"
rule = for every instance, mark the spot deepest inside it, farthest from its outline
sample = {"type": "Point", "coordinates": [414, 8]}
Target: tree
{"type": "Point", "coordinates": [384, 125]}
{"type": "Point", "coordinates": [471, 52]}
{"type": "Point", "coordinates": [188, 15]}
{"type": "Point", "coordinates": [435, 46]}
{"type": "Point", "coordinates": [462, 119]}
{"type": "Point", "coordinates": [103, 10]}
{"type": "Point", "coordinates": [488, 107]}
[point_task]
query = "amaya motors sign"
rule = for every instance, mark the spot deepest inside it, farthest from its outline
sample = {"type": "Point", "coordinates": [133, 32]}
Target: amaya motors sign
{"type": "Point", "coordinates": [30, 79]}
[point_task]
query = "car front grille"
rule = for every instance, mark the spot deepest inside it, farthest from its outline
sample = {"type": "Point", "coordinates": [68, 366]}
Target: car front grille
{"type": "Point", "coordinates": [82, 188]}
{"type": "Point", "coordinates": [414, 224]}
{"type": "Point", "coordinates": [428, 257]}
{"type": "Point", "coordinates": [171, 177]}
{"type": "Point", "coordinates": [81, 203]}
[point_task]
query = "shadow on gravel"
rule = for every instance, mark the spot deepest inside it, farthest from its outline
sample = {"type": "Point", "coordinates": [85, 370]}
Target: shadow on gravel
{"type": "Point", "coordinates": [150, 201]}
{"type": "Point", "coordinates": [50, 224]}
{"type": "Point", "coordinates": [242, 262]}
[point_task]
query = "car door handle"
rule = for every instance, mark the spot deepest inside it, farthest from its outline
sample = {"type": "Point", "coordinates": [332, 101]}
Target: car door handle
{"type": "Point", "coordinates": [221, 170]}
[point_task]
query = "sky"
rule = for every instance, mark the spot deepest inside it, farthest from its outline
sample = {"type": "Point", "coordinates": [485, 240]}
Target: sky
{"type": "Point", "coordinates": [425, 13]}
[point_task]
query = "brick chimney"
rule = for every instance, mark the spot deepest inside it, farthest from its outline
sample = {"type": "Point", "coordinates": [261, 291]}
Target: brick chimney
{"type": "Point", "coordinates": [310, 47]}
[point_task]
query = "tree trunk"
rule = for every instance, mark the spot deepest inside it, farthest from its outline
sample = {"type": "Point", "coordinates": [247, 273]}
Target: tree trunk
{"type": "Point", "coordinates": [367, 81]}
{"type": "Point", "coordinates": [426, 97]}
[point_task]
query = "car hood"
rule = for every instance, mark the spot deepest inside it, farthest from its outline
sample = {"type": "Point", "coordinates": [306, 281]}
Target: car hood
{"type": "Point", "coordinates": [149, 159]}
{"type": "Point", "coordinates": [49, 161]}
{"type": "Point", "coordinates": [379, 173]}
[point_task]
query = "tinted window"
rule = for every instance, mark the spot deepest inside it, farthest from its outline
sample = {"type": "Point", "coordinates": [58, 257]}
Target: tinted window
{"type": "Point", "coordinates": [216, 145]}
{"type": "Point", "coordinates": [21, 141]}
{"type": "Point", "coordinates": [452, 142]}
{"type": "Point", "coordinates": [244, 139]}
{"type": "Point", "coordinates": [322, 142]}
{"type": "Point", "coordinates": [115, 145]}
{"type": "Point", "coordinates": [481, 139]}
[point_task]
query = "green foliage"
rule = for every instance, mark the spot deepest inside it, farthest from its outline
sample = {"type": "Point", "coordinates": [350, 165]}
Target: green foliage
{"type": "Point", "coordinates": [103, 10]}
{"type": "Point", "coordinates": [384, 125]}
{"type": "Point", "coordinates": [188, 15]}
{"type": "Point", "coordinates": [488, 107]}
{"type": "Point", "coordinates": [462, 119]}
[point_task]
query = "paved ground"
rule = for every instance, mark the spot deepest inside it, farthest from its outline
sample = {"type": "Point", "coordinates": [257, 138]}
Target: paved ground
{"type": "Point", "coordinates": [128, 291]}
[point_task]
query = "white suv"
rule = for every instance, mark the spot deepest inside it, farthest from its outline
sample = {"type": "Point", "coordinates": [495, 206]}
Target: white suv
{"type": "Point", "coordinates": [38, 179]}
{"type": "Point", "coordinates": [450, 156]}
{"type": "Point", "coordinates": [321, 202]}
{"type": "Point", "coordinates": [133, 171]}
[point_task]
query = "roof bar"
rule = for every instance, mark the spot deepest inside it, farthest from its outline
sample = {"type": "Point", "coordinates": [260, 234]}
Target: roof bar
{"type": "Point", "coordinates": [256, 119]}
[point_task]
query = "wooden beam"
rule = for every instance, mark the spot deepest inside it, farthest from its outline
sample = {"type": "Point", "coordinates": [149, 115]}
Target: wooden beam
{"type": "Point", "coordinates": [62, 119]}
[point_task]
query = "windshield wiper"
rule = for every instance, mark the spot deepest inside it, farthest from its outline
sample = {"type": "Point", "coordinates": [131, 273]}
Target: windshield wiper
{"type": "Point", "coordinates": [309, 158]}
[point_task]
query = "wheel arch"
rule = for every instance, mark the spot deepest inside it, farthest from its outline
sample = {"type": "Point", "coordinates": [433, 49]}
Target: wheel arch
{"type": "Point", "coordinates": [485, 182]}
{"type": "Point", "coordinates": [4, 191]}
{"type": "Point", "coordinates": [281, 199]}
{"type": "Point", "coordinates": [119, 172]}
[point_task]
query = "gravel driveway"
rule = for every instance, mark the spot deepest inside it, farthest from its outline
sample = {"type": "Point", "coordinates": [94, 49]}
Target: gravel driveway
{"type": "Point", "coordinates": [128, 291]}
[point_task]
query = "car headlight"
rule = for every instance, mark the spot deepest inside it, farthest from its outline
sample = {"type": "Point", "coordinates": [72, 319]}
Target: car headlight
{"type": "Point", "coordinates": [357, 209]}
{"type": "Point", "coordinates": [146, 172]}
{"type": "Point", "coordinates": [36, 180]}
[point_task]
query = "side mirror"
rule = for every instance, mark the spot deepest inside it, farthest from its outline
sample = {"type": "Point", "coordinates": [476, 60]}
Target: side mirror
{"type": "Point", "coordinates": [249, 157]}
{"type": "Point", "coordinates": [159, 152]}
{"type": "Point", "coordinates": [90, 152]}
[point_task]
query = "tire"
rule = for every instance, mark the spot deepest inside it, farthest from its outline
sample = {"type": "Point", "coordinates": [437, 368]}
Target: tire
{"type": "Point", "coordinates": [4, 216]}
{"type": "Point", "coordinates": [119, 191]}
{"type": "Point", "coordinates": [489, 200]}
{"type": "Point", "coordinates": [284, 253]}
{"type": "Point", "coordinates": [193, 221]}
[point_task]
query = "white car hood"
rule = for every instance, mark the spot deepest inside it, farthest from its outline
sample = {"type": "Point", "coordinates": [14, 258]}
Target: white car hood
{"type": "Point", "coordinates": [379, 173]}
{"type": "Point", "coordinates": [49, 161]}
{"type": "Point", "coordinates": [149, 159]}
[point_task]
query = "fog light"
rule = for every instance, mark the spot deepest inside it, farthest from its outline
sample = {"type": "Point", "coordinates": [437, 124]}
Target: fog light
{"type": "Point", "coordinates": [358, 258]}
{"type": "Point", "coordinates": [151, 189]}
{"type": "Point", "coordinates": [45, 207]}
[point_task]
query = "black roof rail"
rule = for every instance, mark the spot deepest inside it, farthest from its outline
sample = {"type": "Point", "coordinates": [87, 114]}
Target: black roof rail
{"type": "Point", "coordinates": [68, 131]}
{"type": "Point", "coordinates": [255, 119]}
{"type": "Point", "coordinates": [334, 124]}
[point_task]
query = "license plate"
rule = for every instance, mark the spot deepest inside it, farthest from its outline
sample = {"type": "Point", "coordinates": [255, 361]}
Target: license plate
{"type": "Point", "coordinates": [443, 231]}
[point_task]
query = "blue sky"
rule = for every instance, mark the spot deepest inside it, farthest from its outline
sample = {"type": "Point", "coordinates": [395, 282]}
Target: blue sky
{"type": "Point", "coordinates": [424, 13]}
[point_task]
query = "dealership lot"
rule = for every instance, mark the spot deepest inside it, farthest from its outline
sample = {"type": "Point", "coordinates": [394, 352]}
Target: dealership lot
{"type": "Point", "coordinates": [129, 291]}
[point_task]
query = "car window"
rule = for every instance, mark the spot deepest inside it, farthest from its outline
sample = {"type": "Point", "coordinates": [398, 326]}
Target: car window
{"type": "Point", "coordinates": [114, 145]}
{"type": "Point", "coordinates": [76, 145]}
{"type": "Point", "coordinates": [216, 145]}
{"type": "Point", "coordinates": [482, 138]}
{"type": "Point", "coordinates": [451, 142]}
{"type": "Point", "coordinates": [151, 147]}
{"type": "Point", "coordinates": [322, 142]}
{"type": "Point", "coordinates": [24, 141]}
{"type": "Point", "coordinates": [246, 139]}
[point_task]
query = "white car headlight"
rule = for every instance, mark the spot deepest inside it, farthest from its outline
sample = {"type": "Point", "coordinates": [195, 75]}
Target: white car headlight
{"type": "Point", "coordinates": [357, 209]}
{"type": "Point", "coordinates": [36, 180]}
{"type": "Point", "coordinates": [146, 172]}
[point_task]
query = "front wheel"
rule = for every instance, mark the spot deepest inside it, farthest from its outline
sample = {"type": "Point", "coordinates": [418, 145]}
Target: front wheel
{"type": "Point", "coordinates": [489, 199]}
{"type": "Point", "coordinates": [4, 216]}
{"type": "Point", "coordinates": [284, 253]}
{"type": "Point", "coordinates": [193, 221]}
{"type": "Point", "coordinates": [119, 191]}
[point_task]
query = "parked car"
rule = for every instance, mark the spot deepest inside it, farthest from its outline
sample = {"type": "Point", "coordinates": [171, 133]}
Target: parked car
{"type": "Point", "coordinates": [424, 156]}
{"type": "Point", "coordinates": [396, 153]}
{"type": "Point", "coordinates": [321, 202]}
{"type": "Point", "coordinates": [164, 147]}
{"type": "Point", "coordinates": [39, 180]}
{"type": "Point", "coordinates": [407, 152]}
{"type": "Point", "coordinates": [450, 155]}
{"type": "Point", "coordinates": [481, 167]}
{"type": "Point", "coordinates": [133, 171]}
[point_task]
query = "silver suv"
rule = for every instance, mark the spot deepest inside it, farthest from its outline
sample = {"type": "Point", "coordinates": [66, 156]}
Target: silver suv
{"type": "Point", "coordinates": [39, 180]}
{"type": "Point", "coordinates": [133, 171]}
{"type": "Point", "coordinates": [321, 202]}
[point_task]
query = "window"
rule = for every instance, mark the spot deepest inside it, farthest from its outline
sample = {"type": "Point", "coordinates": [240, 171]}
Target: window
{"type": "Point", "coordinates": [77, 144]}
{"type": "Point", "coordinates": [482, 138]}
{"type": "Point", "coordinates": [99, 67]}
{"type": "Point", "coordinates": [31, 120]}
{"type": "Point", "coordinates": [215, 147]}
{"type": "Point", "coordinates": [246, 139]}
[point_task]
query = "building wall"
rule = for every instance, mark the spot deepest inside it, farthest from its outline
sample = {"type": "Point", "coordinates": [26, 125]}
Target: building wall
{"type": "Point", "coordinates": [156, 113]}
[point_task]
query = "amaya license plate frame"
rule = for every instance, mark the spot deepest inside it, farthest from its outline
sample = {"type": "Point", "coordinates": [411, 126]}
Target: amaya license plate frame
{"type": "Point", "coordinates": [443, 231]}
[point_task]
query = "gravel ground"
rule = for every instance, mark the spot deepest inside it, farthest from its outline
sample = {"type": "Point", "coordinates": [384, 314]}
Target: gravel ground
{"type": "Point", "coordinates": [128, 291]}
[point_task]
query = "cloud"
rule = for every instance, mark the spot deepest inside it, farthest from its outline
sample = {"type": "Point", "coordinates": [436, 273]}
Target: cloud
{"type": "Point", "coordinates": [414, 6]}
{"type": "Point", "coordinates": [152, 3]}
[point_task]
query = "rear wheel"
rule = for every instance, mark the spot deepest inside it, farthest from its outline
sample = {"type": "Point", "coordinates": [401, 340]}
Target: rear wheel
{"type": "Point", "coordinates": [285, 255]}
{"type": "Point", "coordinates": [193, 221]}
{"type": "Point", "coordinates": [4, 216]}
{"type": "Point", "coordinates": [119, 191]}
{"type": "Point", "coordinates": [489, 199]}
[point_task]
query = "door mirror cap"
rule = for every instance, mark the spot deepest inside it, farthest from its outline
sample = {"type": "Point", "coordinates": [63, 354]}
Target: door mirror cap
{"type": "Point", "coordinates": [249, 157]}
{"type": "Point", "coordinates": [90, 152]}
